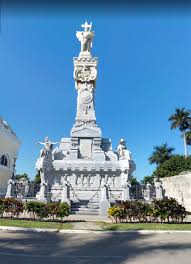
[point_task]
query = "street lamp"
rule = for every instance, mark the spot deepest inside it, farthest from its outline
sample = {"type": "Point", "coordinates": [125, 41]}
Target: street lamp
{"type": "Point", "coordinates": [14, 165]}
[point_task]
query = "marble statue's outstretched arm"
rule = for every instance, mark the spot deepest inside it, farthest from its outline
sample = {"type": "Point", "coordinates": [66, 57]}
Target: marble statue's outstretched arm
{"type": "Point", "coordinates": [39, 143]}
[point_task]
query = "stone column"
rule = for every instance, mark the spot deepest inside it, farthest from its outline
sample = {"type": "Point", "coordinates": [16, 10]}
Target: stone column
{"type": "Point", "coordinates": [104, 199]}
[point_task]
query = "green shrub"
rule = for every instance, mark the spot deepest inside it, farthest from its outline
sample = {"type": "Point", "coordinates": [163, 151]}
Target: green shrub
{"type": "Point", "coordinates": [2, 207]}
{"type": "Point", "coordinates": [117, 213]}
{"type": "Point", "coordinates": [164, 210]}
{"type": "Point", "coordinates": [12, 206]}
{"type": "Point", "coordinates": [37, 209]}
{"type": "Point", "coordinates": [63, 210]}
{"type": "Point", "coordinates": [168, 209]}
{"type": "Point", "coordinates": [53, 208]}
{"type": "Point", "coordinates": [174, 166]}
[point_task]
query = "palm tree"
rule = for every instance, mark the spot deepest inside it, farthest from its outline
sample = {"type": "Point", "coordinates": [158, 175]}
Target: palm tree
{"type": "Point", "coordinates": [161, 154]}
{"type": "Point", "coordinates": [188, 137]}
{"type": "Point", "coordinates": [181, 119]}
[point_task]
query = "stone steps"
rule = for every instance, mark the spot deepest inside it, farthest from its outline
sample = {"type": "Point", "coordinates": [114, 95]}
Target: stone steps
{"type": "Point", "coordinates": [84, 208]}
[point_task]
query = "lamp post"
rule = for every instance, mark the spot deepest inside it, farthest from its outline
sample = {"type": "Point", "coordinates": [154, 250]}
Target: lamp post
{"type": "Point", "coordinates": [14, 165]}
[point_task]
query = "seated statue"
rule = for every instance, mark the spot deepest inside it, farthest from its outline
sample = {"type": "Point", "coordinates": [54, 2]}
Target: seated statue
{"type": "Point", "coordinates": [122, 151]}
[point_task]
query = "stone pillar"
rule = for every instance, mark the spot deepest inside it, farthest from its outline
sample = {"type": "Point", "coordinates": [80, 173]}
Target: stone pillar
{"type": "Point", "coordinates": [158, 189]}
{"type": "Point", "coordinates": [104, 199]}
{"type": "Point", "coordinates": [126, 191]}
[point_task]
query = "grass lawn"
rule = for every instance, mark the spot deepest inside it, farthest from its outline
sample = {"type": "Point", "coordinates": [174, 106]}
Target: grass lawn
{"type": "Point", "coordinates": [101, 226]}
{"type": "Point", "coordinates": [34, 224]}
{"type": "Point", "coordinates": [144, 226]}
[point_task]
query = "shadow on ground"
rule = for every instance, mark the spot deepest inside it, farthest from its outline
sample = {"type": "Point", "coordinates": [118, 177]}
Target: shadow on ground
{"type": "Point", "coordinates": [106, 248]}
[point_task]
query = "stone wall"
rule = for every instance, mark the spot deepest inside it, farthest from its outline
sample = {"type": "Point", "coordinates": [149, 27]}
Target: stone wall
{"type": "Point", "coordinates": [179, 187]}
{"type": "Point", "coordinates": [9, 145]}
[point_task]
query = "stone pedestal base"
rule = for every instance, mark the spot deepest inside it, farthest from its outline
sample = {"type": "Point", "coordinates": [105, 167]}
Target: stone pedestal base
{"type": "Point", "coordinates": [103, 207]}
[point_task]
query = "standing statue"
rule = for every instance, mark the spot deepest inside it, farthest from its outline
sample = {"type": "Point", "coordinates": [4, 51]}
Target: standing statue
{"type": "Point", "coordinates": [122, 151]}
{"type": "Point", "coordinates": [48, 146]}
{"type": "Point", "coordinates": [85, 37]}
{"type": "Point", "coordinates": [22, 188]}
{"type": "Point", "coordinates": [126, 191]}
{"type": "Point", "coordinates": [104, 190]}
{"type": "Point", "coordinates": [43, 191]}
{"type": "Point", "coordinates": [10, 188]}
{"type": "Point", "coordinates": [65, 193]}
{"type": "Point", "coordinates": [147, 192]}
{"type": "Point", "coordinates": [158, 189]}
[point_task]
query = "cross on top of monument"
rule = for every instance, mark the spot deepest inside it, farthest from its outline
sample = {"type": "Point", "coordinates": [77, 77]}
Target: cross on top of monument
{"type": "Point", "coordinates": [86, 26]}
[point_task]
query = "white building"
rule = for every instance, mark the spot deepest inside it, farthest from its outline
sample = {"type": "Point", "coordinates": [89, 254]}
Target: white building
{"type": "Point", "coordinates": [9, 145]}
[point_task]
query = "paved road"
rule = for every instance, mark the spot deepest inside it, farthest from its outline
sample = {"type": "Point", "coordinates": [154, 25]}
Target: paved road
{"type": "Point", "coordinates": [30, 248]}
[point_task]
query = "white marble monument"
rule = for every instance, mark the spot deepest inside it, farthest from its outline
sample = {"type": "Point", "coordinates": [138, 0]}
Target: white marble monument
{"type": "Point", "coordinates": [84, 167]}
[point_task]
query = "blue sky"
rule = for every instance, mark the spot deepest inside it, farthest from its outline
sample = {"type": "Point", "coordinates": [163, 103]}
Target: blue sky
{"type": "Point", "coordinates": [144, 73]}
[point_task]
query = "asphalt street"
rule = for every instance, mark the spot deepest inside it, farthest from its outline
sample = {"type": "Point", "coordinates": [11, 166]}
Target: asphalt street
{"type": "Point", "coordinates": [101, 248]}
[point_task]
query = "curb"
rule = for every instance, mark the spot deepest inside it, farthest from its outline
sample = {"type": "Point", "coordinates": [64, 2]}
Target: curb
{"type": "Point", "coordinates": [27, 229]}
{"type": "Point", "coordinates": [78, 231]}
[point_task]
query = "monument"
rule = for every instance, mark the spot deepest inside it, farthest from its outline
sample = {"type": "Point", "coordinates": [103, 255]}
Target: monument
{"type": "Point", "coordinates": [84, 170]}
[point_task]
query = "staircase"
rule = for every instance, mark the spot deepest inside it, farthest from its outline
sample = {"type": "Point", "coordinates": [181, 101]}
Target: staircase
{"type": "Point", "coordinates": [84, 207]}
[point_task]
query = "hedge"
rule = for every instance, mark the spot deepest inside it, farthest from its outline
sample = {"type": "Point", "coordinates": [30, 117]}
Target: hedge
{"type": "Point", "coordinates": [166, 210]}
{"type": "Point", "coordinates": [14, 207]}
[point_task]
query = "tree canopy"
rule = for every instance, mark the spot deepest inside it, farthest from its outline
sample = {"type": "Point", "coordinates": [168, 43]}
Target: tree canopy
{"type": "Point", "coordinates": [24, 175]}
{"type": "Point", "coordinates": [180, 119]}
{"type": "Point", "coordinates": [161, 154]}
{"type": "Point", "coordinates": [174, 166]}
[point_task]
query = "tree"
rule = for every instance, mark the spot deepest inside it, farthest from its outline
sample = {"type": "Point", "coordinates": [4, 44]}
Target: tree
{"type": "Point", "coordinates": [181, 119]}
{"type": "Point", "coordinates": [37, 178]}
{"type": "Point", "coordinates": [148, 179]}
{"type": "Point", "coordinates": [134, 180]}
{"type": "Point", "coordinates": [24, 175]}
{"type": "Point", "coordinates": [188, 137]}
{"type": "Point", "coordinates": [174, 166]}
{"type": "Point", "coordinates": [161, 154]}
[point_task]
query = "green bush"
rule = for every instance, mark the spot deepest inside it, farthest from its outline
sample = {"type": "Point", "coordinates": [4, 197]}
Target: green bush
{"type": "Point", "coordinates": [37, 209]}
{"type": "Point", "coordinates": [12, 206]}
{"type": "Point", "coordinates": [117, 213]}
{"type": "Point", "coordinates": [52, 208]}
{"type": "Point", "coordinates": [166, 210]}
{"type": "Point", "coordinates": [174, 166]}
{"type": "Point", "coordinates": [63, 210]}
{"type": "Point", "coordinates": [2, 207]}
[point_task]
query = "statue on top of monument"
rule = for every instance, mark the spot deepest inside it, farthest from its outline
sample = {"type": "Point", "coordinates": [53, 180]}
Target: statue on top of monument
{"type": "Point", "coordinates": [48, 146]}
{"type": "Point", "coordinates": [122, 151]}
{"type": "Point", "coordinates": [85, 37]}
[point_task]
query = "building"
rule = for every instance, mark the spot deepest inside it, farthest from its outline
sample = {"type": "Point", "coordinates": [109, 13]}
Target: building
{"type": "Point", "coordinates": [84, 170]}
{"type": "Point", "coordinates": [9, 146]}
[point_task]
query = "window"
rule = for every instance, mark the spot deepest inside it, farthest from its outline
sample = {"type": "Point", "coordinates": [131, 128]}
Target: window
{"type": "Point", "coordinates": [4, 160]}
